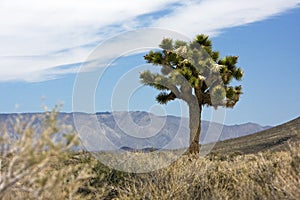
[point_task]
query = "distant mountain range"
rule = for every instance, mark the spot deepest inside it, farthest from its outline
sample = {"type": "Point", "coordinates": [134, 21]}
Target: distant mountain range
{"type": "Point", "coordinates": [132, 130]}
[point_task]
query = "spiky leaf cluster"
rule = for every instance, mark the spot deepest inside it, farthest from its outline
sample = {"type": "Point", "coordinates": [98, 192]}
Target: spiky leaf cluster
{"type": "Point", "coordinates": [193, 69]}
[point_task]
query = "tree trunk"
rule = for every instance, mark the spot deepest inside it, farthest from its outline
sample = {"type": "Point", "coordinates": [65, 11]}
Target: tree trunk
{"type": "Point", "coordinates": [195, 127]}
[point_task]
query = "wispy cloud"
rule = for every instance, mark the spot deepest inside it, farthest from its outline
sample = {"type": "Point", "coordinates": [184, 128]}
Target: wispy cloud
{"type": "Point", "coordinates": [212, 16]}
{"type": "Point", "coordinates": [38, 36]}
{"type": "Point", "coordinates": [32, 32]}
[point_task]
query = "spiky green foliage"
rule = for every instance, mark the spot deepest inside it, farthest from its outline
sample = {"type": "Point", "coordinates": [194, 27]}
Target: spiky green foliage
{"type": "Point", "coordinates": [193, 72]}
{"type": "Point", "coordinates": [207, 74]}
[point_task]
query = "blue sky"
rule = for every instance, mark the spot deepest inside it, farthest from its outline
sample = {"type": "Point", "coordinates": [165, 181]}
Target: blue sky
{"type": "Point", "coordinates": [43, 44]}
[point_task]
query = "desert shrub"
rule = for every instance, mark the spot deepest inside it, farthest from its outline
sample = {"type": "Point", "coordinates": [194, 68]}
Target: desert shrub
{"type": "Point", "coordinates": [32, 163]}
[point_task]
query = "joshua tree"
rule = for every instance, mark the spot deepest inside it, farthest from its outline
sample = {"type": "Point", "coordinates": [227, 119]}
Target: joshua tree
{"type": "Point", "coordinates": [194, 73]}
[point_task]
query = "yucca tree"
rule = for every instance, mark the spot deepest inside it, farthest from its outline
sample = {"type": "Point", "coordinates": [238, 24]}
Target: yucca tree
{"type": "Point", "coordinates": [193, 72]}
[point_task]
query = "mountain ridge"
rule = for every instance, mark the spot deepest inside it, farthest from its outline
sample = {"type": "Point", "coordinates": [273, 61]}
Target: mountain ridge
{"type": "Point", "coordinates": [274, 139]}
{"type": "Point", "coordinates": [246, 138]}
{"type": "Point", "coordinates": [166, 127]}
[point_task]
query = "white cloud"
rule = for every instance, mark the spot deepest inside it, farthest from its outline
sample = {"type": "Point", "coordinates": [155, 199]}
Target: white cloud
{"type": "Point", "coordinates": [211, 16]}
{"type": "Point", "coordinates": [39, 68]}
{"type": "Point", "coordinates": [32, 32]}
{"type": "Point", "coordinates": [39, 27]}
{"type": "Point", "coordinates": [38, 36]}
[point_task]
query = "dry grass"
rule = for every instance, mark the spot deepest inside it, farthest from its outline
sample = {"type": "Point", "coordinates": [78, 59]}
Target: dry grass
{"type": "Point", "coordinates": [38, 168]}
{"type": "Point", "coordinates": [262, 176]}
